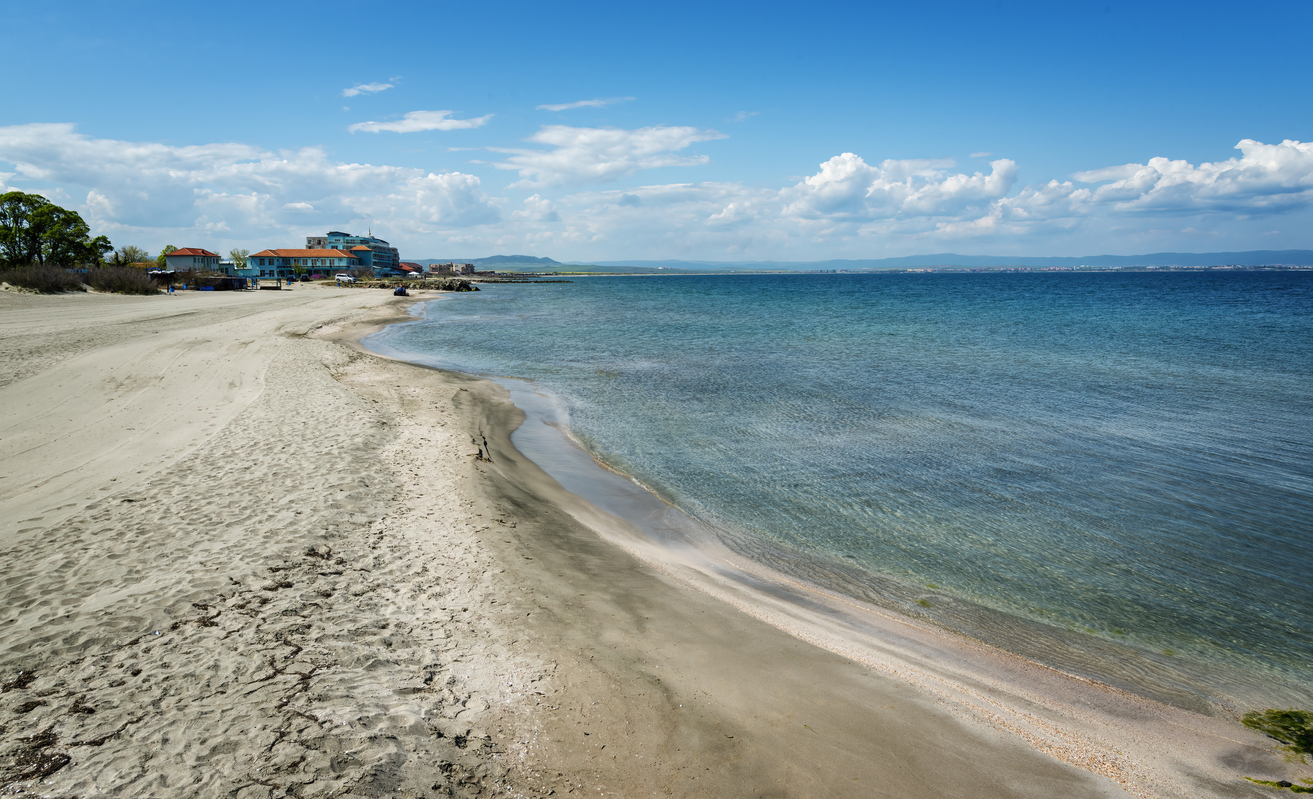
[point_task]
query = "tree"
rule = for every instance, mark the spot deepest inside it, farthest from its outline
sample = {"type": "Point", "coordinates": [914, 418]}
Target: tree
{"type": "Point", "coordinates": [99, 247]}
{"type": "Point", "coordinates": [34, 230]}
{"type": "Point", "coordinates": [130, 254]}
{"type": "Point", "coordinates": [162, 260]}
{"type": "Point", "coordinates": [239, 257]}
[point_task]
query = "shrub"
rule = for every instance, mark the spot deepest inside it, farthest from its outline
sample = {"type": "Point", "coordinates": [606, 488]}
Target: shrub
{"type": "Point", "coordinates": [122, 280]}
{"type": "Point", "coordinates": [45, 279]}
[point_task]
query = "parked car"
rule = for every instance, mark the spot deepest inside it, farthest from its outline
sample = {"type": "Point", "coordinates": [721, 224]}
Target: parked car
{"type": "Point", "coordinates": [344, 278]}
{"type": "Point", "coordinates": [305, 278]}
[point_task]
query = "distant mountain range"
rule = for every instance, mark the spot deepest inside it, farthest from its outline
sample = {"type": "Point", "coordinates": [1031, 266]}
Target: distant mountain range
{"type": "Point", "coordinates": [1251, 258]}
{"type": "Point", "coordinates": [1257, 257]}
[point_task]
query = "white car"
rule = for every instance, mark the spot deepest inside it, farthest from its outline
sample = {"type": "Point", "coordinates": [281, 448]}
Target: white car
{"type": "Point", "coordinates": [344, 278]}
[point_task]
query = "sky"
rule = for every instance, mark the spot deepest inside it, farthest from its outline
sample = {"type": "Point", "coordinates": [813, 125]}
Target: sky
{"type": "Point", "coordinates": [723, 132]}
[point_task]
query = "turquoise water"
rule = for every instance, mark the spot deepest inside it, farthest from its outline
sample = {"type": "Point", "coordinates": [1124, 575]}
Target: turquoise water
{"type": "Point", "coordinates": [1111, 473]}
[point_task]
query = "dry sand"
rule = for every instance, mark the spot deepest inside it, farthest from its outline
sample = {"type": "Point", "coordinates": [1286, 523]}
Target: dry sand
{"type": "Point", "coordinates": [241, 557]}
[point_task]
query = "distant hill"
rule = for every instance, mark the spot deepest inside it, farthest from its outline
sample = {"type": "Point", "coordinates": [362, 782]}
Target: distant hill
{"type": "Point", "coordinates": [1250, 258]}
{"type": "Point", "coordinates": [492, 260]}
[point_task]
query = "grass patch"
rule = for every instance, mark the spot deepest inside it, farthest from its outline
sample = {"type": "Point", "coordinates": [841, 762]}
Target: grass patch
{"type": "Point", "coordinates": [45, 279]}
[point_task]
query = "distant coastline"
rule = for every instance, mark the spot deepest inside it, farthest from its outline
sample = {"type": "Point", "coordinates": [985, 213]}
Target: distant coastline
{"type": "Point", "coordinates": [1260, 260]}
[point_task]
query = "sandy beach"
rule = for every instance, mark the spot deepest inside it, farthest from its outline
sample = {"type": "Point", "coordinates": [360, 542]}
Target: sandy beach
{"type": "Point", "coordinates": [243, 557]}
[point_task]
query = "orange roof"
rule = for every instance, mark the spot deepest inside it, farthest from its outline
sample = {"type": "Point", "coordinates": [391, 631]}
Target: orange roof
{"type": "Point", "coordinates": [302, 254]}
{"type": "Point", "coordinates": [194, 251]}
{"type": "Point", "coordinates": [359, 247]}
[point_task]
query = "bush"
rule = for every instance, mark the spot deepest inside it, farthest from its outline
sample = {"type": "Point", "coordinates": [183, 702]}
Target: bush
{"type": "Point", "coordinates": [45, 279]}
{"type": "Point", "coordinates": [122, 280]}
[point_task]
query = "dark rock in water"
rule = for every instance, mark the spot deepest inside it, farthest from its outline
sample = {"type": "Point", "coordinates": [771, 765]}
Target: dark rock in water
{"type": "Point", "coordinates": [451, 284]}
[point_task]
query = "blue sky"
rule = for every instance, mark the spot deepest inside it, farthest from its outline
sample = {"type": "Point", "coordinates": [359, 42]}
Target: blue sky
{"type": "Point", "coordinates": [594, 131]}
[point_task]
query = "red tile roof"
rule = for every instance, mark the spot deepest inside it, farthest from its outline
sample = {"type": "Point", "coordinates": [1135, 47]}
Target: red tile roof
{"type": "Point", "coordinates": [302, 254]}
{"type": "Point", "coordinates": [194, 251]}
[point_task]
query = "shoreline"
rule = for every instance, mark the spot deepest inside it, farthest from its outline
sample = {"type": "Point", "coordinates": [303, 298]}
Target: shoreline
{"type": "Point", "coordinates": [269, 564]}
{"type": "Point", "coordinates": [1083, 721]}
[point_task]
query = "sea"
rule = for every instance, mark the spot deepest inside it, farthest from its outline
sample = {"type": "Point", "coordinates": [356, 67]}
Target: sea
{"type": "Point", "coordinates": [1109, 473]}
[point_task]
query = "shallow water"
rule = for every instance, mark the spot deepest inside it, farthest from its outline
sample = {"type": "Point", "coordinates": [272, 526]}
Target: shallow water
{"type": "Point", "coordinates": [1111, 473]}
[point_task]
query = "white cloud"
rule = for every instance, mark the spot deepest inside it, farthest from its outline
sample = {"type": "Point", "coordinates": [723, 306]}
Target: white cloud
{"type": "Point", "coordinates": [1266, 178]}
{"type": "Point", "coordinates": [146, 186]}
{"type": "Point", "coordinates": [416, 121]}
{"type": "Point", "coordinates": [982, 154]}
{"type": "Point", "coordinates": [745, 115]}
{"type": "Point", "coordinates": [602, 154]}
{"type": "Point", "coordinates": [366, 88]}
{"type": "Point", "coordinates": [537, 209]}
{"type": "Point", "coordinates": [448, 200]}
{"type": "Point", "coordinates": [231, 194]}
{"type": "Point", "coordinates": [597, 102]}
{"type": "Point", "coordinates": [847, 188]}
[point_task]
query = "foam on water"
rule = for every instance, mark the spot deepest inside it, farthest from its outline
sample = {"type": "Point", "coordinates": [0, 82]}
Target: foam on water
{"type": "Point", "coordinates": [1110, 473]}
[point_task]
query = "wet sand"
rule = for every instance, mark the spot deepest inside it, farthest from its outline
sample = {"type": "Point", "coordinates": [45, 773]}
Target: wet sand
{"type": "Point", "coordinates": [239, 556]}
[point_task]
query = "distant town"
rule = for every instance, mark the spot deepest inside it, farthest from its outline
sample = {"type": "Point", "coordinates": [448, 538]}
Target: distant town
{"type": "Point", "coordinates": [323, 257]}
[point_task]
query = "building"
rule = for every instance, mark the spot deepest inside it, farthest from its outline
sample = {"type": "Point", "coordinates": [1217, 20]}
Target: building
{"type": "Point", "coordinates": [286, 263]}
{"type": "Point", "coordinates": [382, 257]}
{"type": "Point", "coordinates": [192, 259]}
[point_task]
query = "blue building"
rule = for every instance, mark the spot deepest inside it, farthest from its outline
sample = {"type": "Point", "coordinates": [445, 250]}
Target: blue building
{"type": "Point", "coordinates": [286, 263]}
{"type": "Point", "coordinates": [373, 253]}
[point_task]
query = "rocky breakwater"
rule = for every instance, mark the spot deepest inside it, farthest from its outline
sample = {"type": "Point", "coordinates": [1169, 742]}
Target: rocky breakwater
{"type": "Point", "coordinates": [431, 284]}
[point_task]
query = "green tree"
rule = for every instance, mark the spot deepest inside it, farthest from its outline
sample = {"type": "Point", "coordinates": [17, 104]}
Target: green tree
{"type": "Point", "coordinates": [130, 254]}
{"type": "Point", "coordinates": [239, 257]}
{"type": "Point", "coordinates": [98, 248]}
{"type": "Point", "coordinates": [34, 230]}
{"type": "Point", "coordinates": [162, 260]}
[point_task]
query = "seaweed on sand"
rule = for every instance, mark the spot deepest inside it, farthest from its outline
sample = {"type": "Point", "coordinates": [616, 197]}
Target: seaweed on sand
{"type": "Point", "coordinates": [1294, 728]}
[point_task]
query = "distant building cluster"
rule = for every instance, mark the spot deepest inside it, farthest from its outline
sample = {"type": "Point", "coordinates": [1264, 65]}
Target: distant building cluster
{"type": "Point", "coordinates": [451, 269]}
{"type": "Point", "coordinates": [373, 253]}
{"type": "Point", "coordinates": [324, 256]}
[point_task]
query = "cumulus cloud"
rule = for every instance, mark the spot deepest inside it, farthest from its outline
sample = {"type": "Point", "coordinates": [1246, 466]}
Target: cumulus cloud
{"type": "Point", "coordinates": [366, 88]}
{"type": "Point", "coordinates": [235, 186]}
{"type": "Point", "coordinates": [848, 206]}
{"type": "Point", "coordinates": [1266, 178]}
{"type": "Point", "coordinates": [602, 154]}
{"type": "Point", "coordinates": [537, 209]}
{"type": "Point", "coordinates": [417, 121]}
{"type": "Point", "coordinates": [597, 102]}
{"type": "Point", "coordinates": [847, 188]}
{"type": "Point", "coordinates": [452, 199]}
